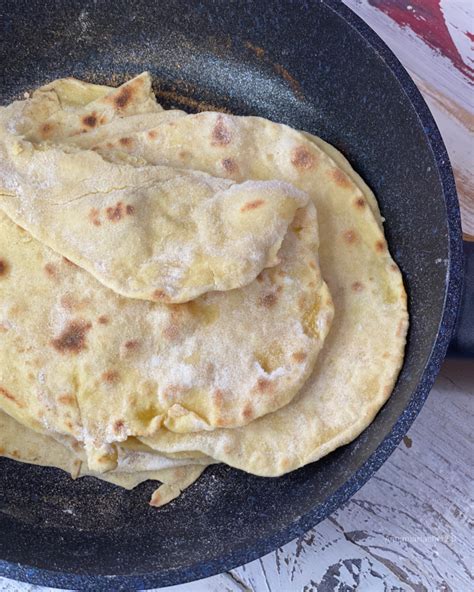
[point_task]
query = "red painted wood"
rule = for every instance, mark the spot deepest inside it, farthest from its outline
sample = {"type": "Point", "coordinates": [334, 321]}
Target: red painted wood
{"type": "Point", "coordinates": [426, 19]}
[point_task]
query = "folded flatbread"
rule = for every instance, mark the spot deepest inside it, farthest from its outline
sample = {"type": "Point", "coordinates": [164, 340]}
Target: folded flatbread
{"type": "Point", "coordinates": [21, 444]}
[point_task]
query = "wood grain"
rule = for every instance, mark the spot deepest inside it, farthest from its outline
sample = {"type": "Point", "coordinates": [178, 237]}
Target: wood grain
{"type": "Point", "coordinates": [434, 41]}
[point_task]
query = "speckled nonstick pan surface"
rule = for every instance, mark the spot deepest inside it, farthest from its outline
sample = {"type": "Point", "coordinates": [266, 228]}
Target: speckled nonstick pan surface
{"type": "Point", "coordinates": [312, 65]}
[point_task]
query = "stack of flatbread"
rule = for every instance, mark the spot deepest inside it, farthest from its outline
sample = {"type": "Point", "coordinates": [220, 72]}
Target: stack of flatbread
{"type": "Point", "coordinates": [179, 290]}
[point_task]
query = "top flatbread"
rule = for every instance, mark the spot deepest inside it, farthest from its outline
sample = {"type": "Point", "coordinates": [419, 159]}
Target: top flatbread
{"type": "Point", "coordinates": [152, 232]}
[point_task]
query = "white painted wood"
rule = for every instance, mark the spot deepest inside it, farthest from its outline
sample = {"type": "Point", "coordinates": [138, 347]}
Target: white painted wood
{"type": "Point", "coordinates": [448, 92]}
{"type": "Point", "coordinates": [408, 528]}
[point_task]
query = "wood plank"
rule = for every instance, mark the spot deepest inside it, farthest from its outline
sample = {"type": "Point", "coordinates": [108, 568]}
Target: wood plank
{"type": "Point", "coordinates": [434, 40]}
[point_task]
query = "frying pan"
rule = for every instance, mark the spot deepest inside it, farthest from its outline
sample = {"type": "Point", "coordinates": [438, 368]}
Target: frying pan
{"type": "Point", "coordinates": [312, 65]}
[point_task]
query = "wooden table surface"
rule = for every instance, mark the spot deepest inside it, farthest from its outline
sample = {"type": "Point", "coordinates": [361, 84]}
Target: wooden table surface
{"type": "Point", "coordinates": [410, 527]}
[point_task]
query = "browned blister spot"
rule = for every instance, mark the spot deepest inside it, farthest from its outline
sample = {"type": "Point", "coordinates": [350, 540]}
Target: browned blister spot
{"type": "Point", "coordinates": [252, 205]}
{"type": "Point", "coordinates": [350, 237]}
{"type": "Point", "coordinates": [131, 344]}
{"type": "Point", "coordinates": [264, 385]}
{"type": "Point", "coordinates": [340, 178]}
{"type": "Point", "coordinates": [130, 210]}
{"type": "Point", "coordinates": [116, 212]}
{"type": "Point", "coordinates": [394, 267]}
{"type": "Point", "coordinates": [159, 295]}
{"type": "Point", "coordinates": [171, 332]}
{"type": "Point", "coordinates": [73, 339]}
{"type": "Point", "coordinates": [111, 376]}
{"type": "Point", "coordinates": [118, 426]}
{"type": "Point", "coordinates": [67, 399]}
{"type": "Point", "coordinates": [94, 216]}
{"type": "Point", "coordinates": [230, 166]}
{"type": "Point", "coordinates": [219, 398]}
{"type": "Point", "coordinates": [312, 264]}
{"type": "Point", "coordinates": [89, 120]}
{"type": "Point", "coordinates": [152, 134]}
{"type": "Point", "coordinates": [69, 262]}
{"type": "Point", "coordinates": [46, 130]}
{"type": "Point", "coordinates": [184, 154]}
{"type": "Point", "coordinates": [247, 411]}
{"type": "Point", "coordinates": [357, 287]}
{"type": "Point", "coordinates": [302, 158]}
{"type": "Point", "coordinates": [51, 270]}
{"type": "Point", "coordinates": [222, 422]}
{"type": "Point", "coordinates": [385, 355]}
{"type": "Point", "coordinates": [10, 397]}
{"type": "Point", "coordinates": [221, 135]}
{"type": "Point", "coordinates": [360, 203]}
{"type": "Point", "coordinates": [103, 320]}
{"type": "Point", "coordinates": [380, 246]}
{"type": "Point", "coordinates": [123, 98]}
{"type": "Point", "coordinates": [4, 267]}
{"type": "Point", "coordinates": [299, 357]}
{"type": "Point", "coordinates": [103, 119]}
{"type": "Point", "coordinates": [261, 276]}
{"type": "Point", "coordinates": [387, 389]}
{"type": "Point", "coordinates": [268, 300]}
{"type": "Point", "coordinates": [126, 142]}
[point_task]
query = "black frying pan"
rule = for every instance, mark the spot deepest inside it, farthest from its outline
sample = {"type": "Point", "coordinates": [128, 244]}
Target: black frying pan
{"type": "Point", "coordinates": [320, 69]}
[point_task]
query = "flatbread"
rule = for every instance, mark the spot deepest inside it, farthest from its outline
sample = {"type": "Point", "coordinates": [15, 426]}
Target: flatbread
{"type": "Point", "coordinates": [21, 444]}
{"type": "Point", "coordinates": [68, 107]}
{"type": "Point", "coordinates": [357, 369]}
{"type": "Point", "coordinates": [77, 359]}
{"type": "Point", "coordinates": [152, 232]}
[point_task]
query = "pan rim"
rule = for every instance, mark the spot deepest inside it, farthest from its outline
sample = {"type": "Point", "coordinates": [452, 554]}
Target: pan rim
{"type": "Point", "coordinates": [439, 347]}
